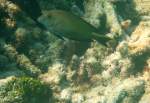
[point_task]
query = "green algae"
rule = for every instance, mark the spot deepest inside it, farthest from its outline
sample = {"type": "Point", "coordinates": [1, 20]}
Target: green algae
{"type": "Point", "coordinates": [25, 90]}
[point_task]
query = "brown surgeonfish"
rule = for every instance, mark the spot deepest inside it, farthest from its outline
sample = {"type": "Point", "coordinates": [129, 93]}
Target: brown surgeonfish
{"type": "Point", "coordinates": [65, 24]}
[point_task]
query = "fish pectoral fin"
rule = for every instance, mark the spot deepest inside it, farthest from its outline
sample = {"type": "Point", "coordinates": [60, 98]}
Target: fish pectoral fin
{"type": "Point", "coordinates": [103, 39]}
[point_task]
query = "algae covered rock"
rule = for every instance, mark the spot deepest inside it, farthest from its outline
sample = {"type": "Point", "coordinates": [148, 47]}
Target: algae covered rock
{"type": "Point", "coordinates": [125, 91]}
{"type": "Point", "coordinates": [3, 61]}
{"type": "Point", "coordinates": [25, 90]}
{"type": "Point", "coordinates": [56, 75]}
{"type": "Point", "coordinates": [20, 59]}
{"type": "Point", "coordinates": [131, 55]}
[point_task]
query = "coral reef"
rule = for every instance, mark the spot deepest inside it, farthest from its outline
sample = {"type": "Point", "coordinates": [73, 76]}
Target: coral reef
{"type": "Point", "coordinates": [131, 55]}
{"type": "Point", "coordinates": [37, 67]}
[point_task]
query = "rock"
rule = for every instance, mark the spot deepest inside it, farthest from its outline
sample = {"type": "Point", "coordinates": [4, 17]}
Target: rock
{"type": "Point", "coordinates": [66, 95]}
{"type": "Point", "coordinates": [78, 98]}
{"type": "Point", "coordinates": [55, 75]}
{"type": "Point", "coordinates": [125, 91]}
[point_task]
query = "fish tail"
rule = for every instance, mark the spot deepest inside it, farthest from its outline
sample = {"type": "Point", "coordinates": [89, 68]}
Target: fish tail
{"type": "Point", "coordinates": [103, 39]}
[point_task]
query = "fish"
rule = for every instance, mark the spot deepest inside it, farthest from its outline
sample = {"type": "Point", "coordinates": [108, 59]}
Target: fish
{"type": "Point", "coordinates": [31, 8]}
{"type": "Point", "coordinates": [65, 24]}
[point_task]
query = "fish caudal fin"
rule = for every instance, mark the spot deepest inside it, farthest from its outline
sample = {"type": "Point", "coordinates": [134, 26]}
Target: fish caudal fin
{"type": "Point", "coordinates": [103, 39]}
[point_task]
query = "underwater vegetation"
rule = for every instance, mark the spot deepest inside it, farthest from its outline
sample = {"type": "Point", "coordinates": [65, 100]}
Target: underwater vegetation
{"type": "Point", "coordinates": [36, 66]}
{"type": "Point", "coordinates": [24, 90]}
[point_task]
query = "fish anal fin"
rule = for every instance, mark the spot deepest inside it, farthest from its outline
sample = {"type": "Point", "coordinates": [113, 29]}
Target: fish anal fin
{"type": "Point", "coordinates": [103, 39]}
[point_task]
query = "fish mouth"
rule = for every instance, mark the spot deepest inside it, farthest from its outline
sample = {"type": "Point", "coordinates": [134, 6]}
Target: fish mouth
{"type": "Point", "coordinates": [45, 21]}
{"type": "Point", "coordinates": [41, 19]}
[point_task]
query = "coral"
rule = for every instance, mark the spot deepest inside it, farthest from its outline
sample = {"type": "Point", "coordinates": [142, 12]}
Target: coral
{"type": "Point", "coordinates": [142, 7]}
{"type": "Point", "coordinates": [55, 75]}
{"type": "Point", "coordinates": [146, 77]}
{"type": "Point", "coordinates": [124, 92]}
{"type": "Point", "coordinates": [112, 19]}
{"type": "Point", "coordinates": [90, 63]}
{"type": "Point", "coordinates": [102, 14]}
{"type": "Point", "coordinates": [145, 97]}
{"type": "Point", "coordinates": [77, 98]}
{"type": "Point", "coordinates": [94, 11]}
{"type": "Point", "coordinates": [23, 90]}
{"type": "Point", "coordinates": [126, 59]}
{"type": "Point", "coordinates": [7, 10]}
{"type": "Point", "coordinates": [66, 95]}
{"type": "Point", "coordinates": [21, 60]}
{"type": "Point", "coordinates": [6, 80]}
